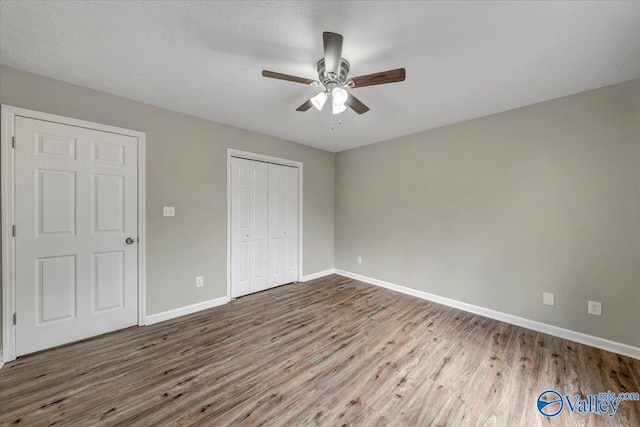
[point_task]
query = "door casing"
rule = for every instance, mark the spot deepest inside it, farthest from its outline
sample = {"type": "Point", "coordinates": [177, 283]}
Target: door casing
{"type": "Point", "coordinates": [9, 113]}
{"type": "Point", "coordinates": [269, 159]}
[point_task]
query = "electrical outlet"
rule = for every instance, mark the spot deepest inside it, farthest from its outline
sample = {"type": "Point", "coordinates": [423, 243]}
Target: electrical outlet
{"type": "Point", "coordinates": [595, 308]}
{"type": "Point", "coordinates": [547, 298]}
{"type": "Point", "coordinates": [199, 282]}
{"type": "Point", "coordinates": [359, 260]}
{"type": "Point", "coordinates": [168, 211]}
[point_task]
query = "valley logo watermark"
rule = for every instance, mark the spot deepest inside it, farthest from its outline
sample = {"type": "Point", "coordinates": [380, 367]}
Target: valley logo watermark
{"type": "Point", "coordinates": [550, 403]}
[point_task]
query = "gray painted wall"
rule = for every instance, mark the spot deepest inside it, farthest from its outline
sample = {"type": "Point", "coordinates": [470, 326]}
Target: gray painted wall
{"type": "Point", "coordinates": [495, 211]}
{"type": "Point", "coordinates": [186, 168]}
{"type": "Point", "coordinates": [490, 212]}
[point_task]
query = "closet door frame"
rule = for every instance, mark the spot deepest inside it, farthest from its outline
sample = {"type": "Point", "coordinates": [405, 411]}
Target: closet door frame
{"type": "Point", "coordinates": [269, 159]}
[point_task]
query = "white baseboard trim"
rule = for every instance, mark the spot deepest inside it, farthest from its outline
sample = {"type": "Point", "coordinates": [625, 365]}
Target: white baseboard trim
{"type": "Point", "coordinates": [579, 337]}
{"type": "Point", "coordinates": [1, 360]}
{"type": "Point", "coordinates": [318, 275]}
{"type": "Point", "coordinates": [183, 311]}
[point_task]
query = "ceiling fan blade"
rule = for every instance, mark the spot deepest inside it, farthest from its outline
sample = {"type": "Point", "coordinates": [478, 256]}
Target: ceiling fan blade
{"type": "Point", "coordinates": [356, 105]}
{"type": "Point", "coordinates": [287, 77]}
{"type": "Point", "coordinates": [332, 52]}
{"type": "Point", "coordinates": [305, 106]}
{"type": "Point", "coordinates": [390, 76]}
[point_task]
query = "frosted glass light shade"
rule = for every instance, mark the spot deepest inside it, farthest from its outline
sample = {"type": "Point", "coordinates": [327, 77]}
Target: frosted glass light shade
{"type": "Point", "coordinates": [339, 95]}
{"type": "Point", "coordinates": [319, 100]}
{"type": "Point", "coordinates": [337, 108]}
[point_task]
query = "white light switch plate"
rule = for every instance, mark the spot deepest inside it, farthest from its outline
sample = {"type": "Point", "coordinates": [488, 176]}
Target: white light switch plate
{"type": "Point", "coordinates": [169, 211]}
{"type": "Point", "coordinates": [547, 298]}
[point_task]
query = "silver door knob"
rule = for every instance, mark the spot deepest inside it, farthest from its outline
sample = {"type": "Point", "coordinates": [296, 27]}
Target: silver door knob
{"type": "Point", "coordinates": [130, 241]}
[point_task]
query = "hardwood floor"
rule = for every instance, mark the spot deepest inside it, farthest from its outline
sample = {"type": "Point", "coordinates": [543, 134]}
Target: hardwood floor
{"type": "Point", "coordinates": [331, 352]}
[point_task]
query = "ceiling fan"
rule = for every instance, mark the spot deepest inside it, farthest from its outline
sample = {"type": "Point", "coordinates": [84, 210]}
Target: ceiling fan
{"type": "Point", "coordinates": [333, 70]}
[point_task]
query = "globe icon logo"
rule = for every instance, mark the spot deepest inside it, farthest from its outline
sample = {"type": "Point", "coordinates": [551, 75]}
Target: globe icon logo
{"type": "Point", "coordinates": [550, 403]}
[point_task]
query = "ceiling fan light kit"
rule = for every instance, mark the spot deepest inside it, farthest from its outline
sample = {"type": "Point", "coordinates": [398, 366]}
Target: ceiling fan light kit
{"type": "Point", "coordinates": [333, 71]}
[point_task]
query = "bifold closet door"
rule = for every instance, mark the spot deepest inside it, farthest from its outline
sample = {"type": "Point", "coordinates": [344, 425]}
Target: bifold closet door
{"type": "Point", "coordinates": [249, 226]}
{"type": "Point", "coordinates": [283, 225]}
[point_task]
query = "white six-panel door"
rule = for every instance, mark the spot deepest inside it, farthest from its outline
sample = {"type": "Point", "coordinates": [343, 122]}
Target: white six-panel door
{"type": "Point", "coordinates": [249, 226]}
{"type": "Point", "coordinates": [75, 207]}
{"type": "Point", "coordinates": [264, 225]}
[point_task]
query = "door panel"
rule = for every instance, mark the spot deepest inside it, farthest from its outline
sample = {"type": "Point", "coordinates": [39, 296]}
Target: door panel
{"type": "Point", "coordinates": [290, 225]}
{"type": "Point", "coordinates": [276, 262]}
{"type": "Point", "coordinates": [56, 292]}
{"type": "Point", "coordinates": [110, 154]}
{"type": "Point", "coordinates": [290, 253]}
{"type": "Point", "coordinates": [283, 225]}
{"type": "Point", "coordinates": [55, 201]}
{"type": "Point", "coordinates": [108, 203]}
{"type": "Point", "coordinates": [241, 189]}
{"type": "Point", "coordinates": [276, 220]}
{"type": "Point", "coordinates": [259, 226]}
{"type": "Point", "coordinates": [76, 203]}
{"type": "Point", "coordinates": [55, 146]}
{"type": "Point", "coordinates": [257, 266]}
{"type": "Point", "coordinates": [108, 280]}
{"type": "Point", "coordinates": [248, 226]}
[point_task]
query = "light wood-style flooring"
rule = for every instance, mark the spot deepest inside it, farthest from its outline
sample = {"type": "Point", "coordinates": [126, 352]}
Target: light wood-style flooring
{"type": "Point", "coordinates": [329, 352]}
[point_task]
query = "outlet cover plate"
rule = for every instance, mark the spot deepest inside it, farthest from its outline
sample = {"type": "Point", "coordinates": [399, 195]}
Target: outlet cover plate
{"type": "Point", "coordinates": [199, 282]}
{"type": "Point", "coordinates": [547, 298]}
{"type": "Point", "coordinates": [168, 211]}
{"type": "Point", "coordinates": [595, 308]}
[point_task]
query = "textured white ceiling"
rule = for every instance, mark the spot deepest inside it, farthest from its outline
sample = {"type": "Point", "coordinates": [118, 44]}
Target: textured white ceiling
{"type": "Point", "coordinates": [463, 59]}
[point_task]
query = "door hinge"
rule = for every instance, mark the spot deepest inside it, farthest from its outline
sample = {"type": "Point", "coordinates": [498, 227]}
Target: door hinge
{"type": "Point", "coordinates": [13, 231]}
{"type": "Point", "coordinates": [15, 318]}
{"type": "Point", "coordinates": [13, 142]}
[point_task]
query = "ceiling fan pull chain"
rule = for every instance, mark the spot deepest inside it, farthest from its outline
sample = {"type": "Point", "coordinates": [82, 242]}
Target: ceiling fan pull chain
{"type": "Point", "coordinates": [332, 122]}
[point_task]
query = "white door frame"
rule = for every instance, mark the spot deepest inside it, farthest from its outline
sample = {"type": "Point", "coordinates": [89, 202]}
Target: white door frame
{"type": "Point", "coordinates": [269, 159]}
{"type": "Point", "coordinates": [9, 113]}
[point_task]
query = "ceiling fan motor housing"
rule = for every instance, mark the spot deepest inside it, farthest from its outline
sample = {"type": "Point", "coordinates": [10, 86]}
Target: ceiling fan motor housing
{"type": "Point", "coordinates": [329, 80]}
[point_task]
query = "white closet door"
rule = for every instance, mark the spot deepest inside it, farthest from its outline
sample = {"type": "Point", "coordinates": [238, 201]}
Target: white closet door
{"type": "Point", "coordinates": [290, 226]}
{"type": "Point", "coordinates": [249, 226]}
{"type": "Point", "coordinates": [76, 205]}
{"type": "Point", "coordinates": [283, 225]}
{"type": "Point", "coordinates": [276, 225]}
